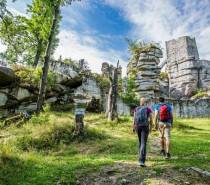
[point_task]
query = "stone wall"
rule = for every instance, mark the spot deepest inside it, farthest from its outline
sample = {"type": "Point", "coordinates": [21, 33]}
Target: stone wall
{"type": "Point", "coordinates": [186, 108]}
{"type": "Point", "coordinates": [122, 108]}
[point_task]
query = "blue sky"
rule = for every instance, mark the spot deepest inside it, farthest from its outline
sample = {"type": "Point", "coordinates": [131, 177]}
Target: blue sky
{"type": "Point", "coordinates": [95, 29]}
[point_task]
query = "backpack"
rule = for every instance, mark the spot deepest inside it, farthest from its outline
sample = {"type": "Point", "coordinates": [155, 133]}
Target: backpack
{"type": "Point", "coordinates": [164, 113]}
{"type": "Point", "coordinates": [141, 117]}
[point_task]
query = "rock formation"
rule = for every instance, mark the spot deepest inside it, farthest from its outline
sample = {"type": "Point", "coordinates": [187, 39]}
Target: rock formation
{"type": "Point", "coordinates": [16, 97]}
{"type": "Point", "coordinates": [145, 70]}
{"type": "Point", "coordinates": [106, 70]}
{"type": "Point", "coordinates": [6, 76]}
{"type": "Point", "coordinates": [186, 72]}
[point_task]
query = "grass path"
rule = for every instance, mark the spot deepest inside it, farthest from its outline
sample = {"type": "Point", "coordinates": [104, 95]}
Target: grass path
{"type": "Point", "coordinates": [129, 172]}
{"type": "Point", "coordinates": [48, 152]}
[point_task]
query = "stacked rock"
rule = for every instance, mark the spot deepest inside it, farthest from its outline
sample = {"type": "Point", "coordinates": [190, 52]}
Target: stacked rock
{"type": "Point", "coordinates": [146, 70]}
{"type": "Point", "coordinates": [183, 66]}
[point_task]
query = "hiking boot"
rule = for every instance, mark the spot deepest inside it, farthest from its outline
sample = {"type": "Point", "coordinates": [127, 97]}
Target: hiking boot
{"type": "Point", "coordinates": [167, 156]}
{"type": "Point", "coordinates": [142, 164]}
{"type": "Point", "coordinates": [162, 152]}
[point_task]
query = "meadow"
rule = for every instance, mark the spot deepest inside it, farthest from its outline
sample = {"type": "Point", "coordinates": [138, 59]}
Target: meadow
{"type": "Point", "coordinates": [45, 150]}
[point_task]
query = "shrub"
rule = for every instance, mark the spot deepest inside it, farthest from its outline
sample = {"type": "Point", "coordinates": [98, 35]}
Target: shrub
{"type": "Point", "coordinates": [128, 93]}
{"type": "Point", "coordinates": [163, 75]}
{"type": "Point", "coordinates": [103, 83]}
{"type": "Point", "coordinates": [200, 93]}
{"type": "Point", "coordinates": [44, 116]}
{"type": "Point", "coordinates": [58, 135]}
{"type": "Point", "coordinates": [32, 76]}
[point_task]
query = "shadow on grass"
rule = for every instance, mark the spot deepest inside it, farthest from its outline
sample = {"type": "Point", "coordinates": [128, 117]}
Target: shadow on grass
{"type": "Point", "coordinates": [59, 135]}
{"type": "Point", "coordinates": [187, 127]}
{"type": "Point", "coordinates": [14, 170]}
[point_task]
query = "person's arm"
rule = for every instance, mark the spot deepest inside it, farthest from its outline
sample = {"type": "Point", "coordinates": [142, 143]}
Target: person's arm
{"type": "Point", "coordinates": [150, 122]}
{"type": "Point", "coordinates": [156, 118]}
{"type": "Point", "coordinates": [133, 122]}
{"type": "Point", "coordinates": [172, 119]}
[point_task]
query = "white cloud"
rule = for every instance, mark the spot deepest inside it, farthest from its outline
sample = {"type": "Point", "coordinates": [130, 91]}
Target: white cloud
{"type": "Point", "coordinates": [78, 46]}
{"type": "Point", "coordinates": [16, 13]}
{"type": "Point", "coordinates": [162, 20]}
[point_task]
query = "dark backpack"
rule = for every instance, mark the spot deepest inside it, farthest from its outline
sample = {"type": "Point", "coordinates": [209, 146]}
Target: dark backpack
{"type": "Point", "coordinates": [141, 117]}
{"type": "Point", "coordinates": [164, 113]}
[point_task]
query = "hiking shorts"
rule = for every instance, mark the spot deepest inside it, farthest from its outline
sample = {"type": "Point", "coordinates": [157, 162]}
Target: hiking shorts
{"type": "Point", "coordinates": [164, 129]}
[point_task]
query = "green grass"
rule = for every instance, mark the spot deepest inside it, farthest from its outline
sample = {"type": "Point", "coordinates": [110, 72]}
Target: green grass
{"type": "Point", "coordinates": [50, 152]}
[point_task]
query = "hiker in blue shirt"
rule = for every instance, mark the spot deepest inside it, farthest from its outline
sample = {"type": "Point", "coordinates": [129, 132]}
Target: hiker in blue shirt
{"type": "Point", "coordinates": [164, 116]}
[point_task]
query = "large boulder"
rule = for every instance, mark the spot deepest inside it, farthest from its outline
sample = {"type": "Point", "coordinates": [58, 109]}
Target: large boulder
{"type": "Point", "coordinates": [28, 107]}
{"type": "Point", "coordinates": [23, 94]}
{"type": "Point", "coordinates": [7, 76]}
{"type": "Point", "coordinates": [3, 99]}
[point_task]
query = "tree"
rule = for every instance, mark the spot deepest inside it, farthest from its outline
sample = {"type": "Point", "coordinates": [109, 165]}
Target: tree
{"type": "Point", "coordinates": [112, 96]}
{"type": "Point", "coordinates": [4, 13]}
{"type": "Point", "coordinates": [127, 92]}
{"type": "Point", "coordinates": [56, 6]}
{"type": "Point", "coordinates": [135, 45]}
{"type": "Point", "coordinates": [26, 39]}
{"type": "Point", "coordinates": [39, 26]}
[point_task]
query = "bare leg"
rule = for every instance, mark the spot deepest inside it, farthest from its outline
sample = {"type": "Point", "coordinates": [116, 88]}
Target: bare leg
{"type": "Point", "coordinates": [168, 144]}
{"type": "Point", "coordinates": [162, 143]}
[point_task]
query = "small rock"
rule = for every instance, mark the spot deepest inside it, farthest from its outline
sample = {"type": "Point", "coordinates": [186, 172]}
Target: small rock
{"type": "Point", "coordinates": [123, 182]}
{"type": "Point", "coordinates": [109, 170]}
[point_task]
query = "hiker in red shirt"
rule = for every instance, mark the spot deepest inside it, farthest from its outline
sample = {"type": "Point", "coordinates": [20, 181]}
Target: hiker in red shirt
{"type": "Point", "coordinates": [164, 116]}
{"type": "Point", "coordinates": [143, 127]}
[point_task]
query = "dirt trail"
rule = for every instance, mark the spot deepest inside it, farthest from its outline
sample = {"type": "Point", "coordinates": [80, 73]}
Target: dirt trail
{"type": "Point", "coordinates": [128, 172]}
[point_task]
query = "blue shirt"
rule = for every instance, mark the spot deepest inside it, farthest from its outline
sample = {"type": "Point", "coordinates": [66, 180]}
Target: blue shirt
{"type": "Point", "coordinates": [157, 107]}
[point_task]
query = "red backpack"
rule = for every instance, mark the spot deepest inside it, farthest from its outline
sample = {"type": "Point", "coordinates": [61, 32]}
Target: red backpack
{"type": "Point", "coordinates": [164, 113]}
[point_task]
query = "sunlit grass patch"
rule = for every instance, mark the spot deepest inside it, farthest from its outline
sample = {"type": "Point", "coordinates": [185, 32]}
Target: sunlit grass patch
{"type": "Point", "coordinates": [50, 152]}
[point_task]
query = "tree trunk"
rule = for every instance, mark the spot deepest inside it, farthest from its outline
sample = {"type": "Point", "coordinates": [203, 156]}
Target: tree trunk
{"type": "Point", "coordinates": [38, 53]}
{"type": "Point", "coordinates": [112, 97]}
{"type": "Point", "coordinates": [42, 90]}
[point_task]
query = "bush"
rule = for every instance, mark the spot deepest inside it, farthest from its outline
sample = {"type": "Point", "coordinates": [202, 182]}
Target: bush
{"type": "Point", "coordinates": [44, 116]}
{"type": "Point", "coordinates": [163, 75]}
{"type": "Point", "coordinates": [103, 83]}
{"type": "Point", "coordinates": [200, 93]}
{"type": "Point", "coordinates": [128, 94]}
{"type": "Point", "coordinates": [58, 135]}
{"type": "Point", "coordinates": [32, 76]}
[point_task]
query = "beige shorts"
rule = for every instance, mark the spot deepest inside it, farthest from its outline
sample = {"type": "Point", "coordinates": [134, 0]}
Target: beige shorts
{"type": "Point", "coordinates": [164, 129]}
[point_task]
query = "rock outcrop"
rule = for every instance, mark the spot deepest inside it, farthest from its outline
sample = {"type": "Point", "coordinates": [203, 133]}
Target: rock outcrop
{"type": "Point", "coordinates": [145, 70]}
{"type": "Point", "coordinates": [7, 76]}
{"type": "Point", "coordinates": [106, 70]}
{"type": "Point", "coordinates": [186, 72]}
{"type": "Point", "coordinates": [18, 97]}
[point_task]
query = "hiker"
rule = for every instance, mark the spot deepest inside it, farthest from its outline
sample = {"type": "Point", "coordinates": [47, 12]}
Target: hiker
{"type": "Point", "coordinates": [143, 127]}
{"type": "Point", "coordinates": [164, 115]}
